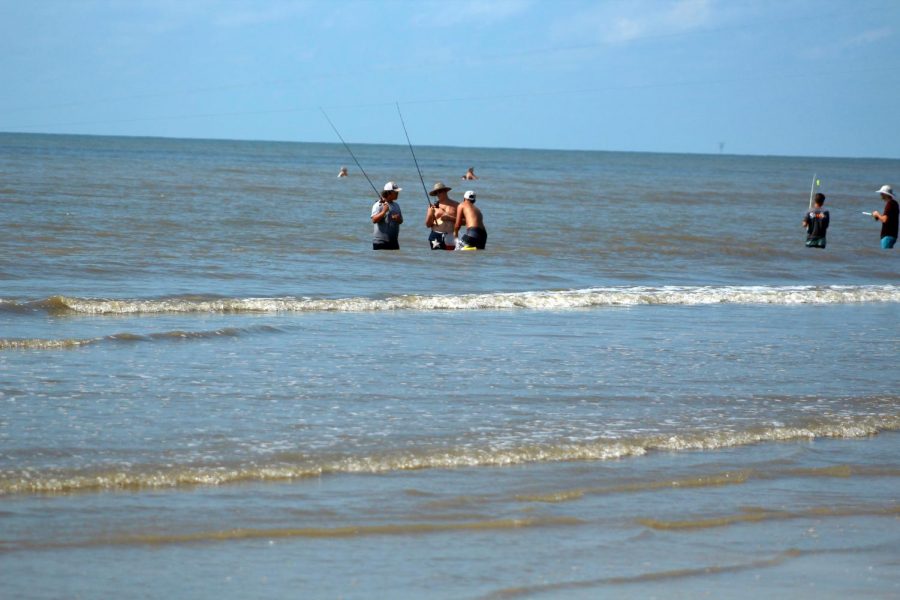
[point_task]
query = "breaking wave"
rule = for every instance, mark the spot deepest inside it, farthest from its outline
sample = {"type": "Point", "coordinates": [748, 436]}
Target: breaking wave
{"type": "Point", "coordinates": [38, 481]}
{"type": "Point", "coordinates": [176, 335]}
{"type": "Point", "coordinates": [535, 300]}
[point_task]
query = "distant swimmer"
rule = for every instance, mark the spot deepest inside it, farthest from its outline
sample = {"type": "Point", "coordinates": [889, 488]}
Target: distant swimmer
{"type": "Point", "coordinates": [387, 218]}
{"type": "Point", "coordinates": [470, 174]}
{"type": "Point", "coordinates": [476, 234]}
{"type": "Point", "coordinates": [343, 172]}
{"type": "Point", "coordinates": [441, 217]}
{"type": "Point", "coordinates": [816, 223]}
{"type": "Point", "coordinates": [889, 217]}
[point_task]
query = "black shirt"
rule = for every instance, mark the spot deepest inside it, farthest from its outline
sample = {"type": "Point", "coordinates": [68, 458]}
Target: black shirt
{"type": "Point", "coordinates": [816, 223]}
{"type": "Point", "coordinates": [892, 212]}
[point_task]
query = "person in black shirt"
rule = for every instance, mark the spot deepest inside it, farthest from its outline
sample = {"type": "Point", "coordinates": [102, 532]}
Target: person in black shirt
{"type": "Point", "coordinates": [889, 218]}
{"type": "Point", "coordinates": [816, 223]}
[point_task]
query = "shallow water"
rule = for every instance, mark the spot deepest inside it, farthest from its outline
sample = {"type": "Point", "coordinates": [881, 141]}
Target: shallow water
{"type": "Point", "coordinates": [210, 386]}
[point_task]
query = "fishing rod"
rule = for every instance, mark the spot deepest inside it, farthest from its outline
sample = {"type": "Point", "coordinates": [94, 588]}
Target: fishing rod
{"type": "Point", "coordinates": [377, 193]}
{"type": "Point", "coordinates": [815, 185]}
{"type": "Point", "coordinates": [812, 190]}
{"type": "Point", "coordinates": [402, 122]}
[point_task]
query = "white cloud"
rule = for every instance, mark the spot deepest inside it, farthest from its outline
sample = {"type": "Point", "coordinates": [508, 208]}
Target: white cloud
{"type": "Point", "coordinates": [244, 14]}
{"type": "Point", "coordinates": [868, 37]}
{"type": "Point", "coordinates": [839, 47]}
{"type": "Point", "coordinates": [620, 23]}
{"type": "Point", "coordinates": [474, 12]}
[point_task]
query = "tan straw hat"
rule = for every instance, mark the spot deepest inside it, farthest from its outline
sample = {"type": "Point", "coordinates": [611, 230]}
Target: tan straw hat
{"type": "Point", "coordinates": [437, 188]}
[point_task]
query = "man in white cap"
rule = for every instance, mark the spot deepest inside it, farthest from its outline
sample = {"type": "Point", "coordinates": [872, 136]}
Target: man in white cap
{"type": "Point", "coordinates": [476, 234]}
{"type": "Point", "coordinates": [440, 218]}
{"type": "Point", "coordinates": [387, 218]}
{"type": "Point", "coordinates": [889, 218]}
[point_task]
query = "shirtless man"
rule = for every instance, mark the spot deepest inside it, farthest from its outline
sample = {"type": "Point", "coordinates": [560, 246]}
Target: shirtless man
{"type": "Point", "coordinates": [470, 174]}
{"type": "Point", "coordinates": [440, 218]}
{"type": "Point", "coordinates": [476, 234]}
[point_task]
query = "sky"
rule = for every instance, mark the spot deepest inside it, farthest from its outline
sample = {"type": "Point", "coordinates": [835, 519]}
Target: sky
{"type": "Point", "coordinates": [760, 77]}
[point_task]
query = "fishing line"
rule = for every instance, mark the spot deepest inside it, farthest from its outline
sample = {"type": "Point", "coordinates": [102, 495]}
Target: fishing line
{"type": "Point", "coordinates": [377, 193]}
{"type": "Point", "coordinates": [424, 189]}
{"type": "Point", "coordinates": [812, 190]}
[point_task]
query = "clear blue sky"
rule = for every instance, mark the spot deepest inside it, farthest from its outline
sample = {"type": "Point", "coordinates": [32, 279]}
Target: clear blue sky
{"type": "Point", "coordinates": [790, 77]}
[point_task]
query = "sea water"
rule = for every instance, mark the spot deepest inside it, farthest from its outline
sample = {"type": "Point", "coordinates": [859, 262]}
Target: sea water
{"type": "Point", "coordinates": [645, 386]}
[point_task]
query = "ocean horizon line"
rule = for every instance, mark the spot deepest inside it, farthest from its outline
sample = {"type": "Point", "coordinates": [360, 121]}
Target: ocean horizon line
{"type": "Point", "coordinates": [454, 147]}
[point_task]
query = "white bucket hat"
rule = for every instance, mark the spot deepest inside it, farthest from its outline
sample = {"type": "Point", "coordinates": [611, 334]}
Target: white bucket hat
{"type": "Point", "coordinates": [886, 189]}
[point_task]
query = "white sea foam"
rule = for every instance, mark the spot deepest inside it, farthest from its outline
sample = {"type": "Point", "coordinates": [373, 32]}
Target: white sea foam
{"type": "Point", "coordinates": [535, 300]}
{"type": "Point", "coordinates": [150, 476]}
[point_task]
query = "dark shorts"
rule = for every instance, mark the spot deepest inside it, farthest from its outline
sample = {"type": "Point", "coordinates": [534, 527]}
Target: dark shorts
{"type": "Point", "coordinates": [393, 245]}
{"type": "Point", "coordinates": [815, 243]}
{"type": "Point", "coordinates": [438, 241]}
{"type": "Point", "coordinates": [475, 236]}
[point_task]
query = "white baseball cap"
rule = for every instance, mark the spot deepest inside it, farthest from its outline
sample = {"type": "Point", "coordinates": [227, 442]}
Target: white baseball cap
{"type": "Point", "coordinates": [886, 189]}
{"type": "Point", "coordinates": [390, 186]}
{"type": "Point", "coordinates": [469, 195]}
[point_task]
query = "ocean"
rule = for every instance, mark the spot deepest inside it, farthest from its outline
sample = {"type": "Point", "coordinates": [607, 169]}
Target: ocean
{"type": "Point", "coordinates": [646, 385]}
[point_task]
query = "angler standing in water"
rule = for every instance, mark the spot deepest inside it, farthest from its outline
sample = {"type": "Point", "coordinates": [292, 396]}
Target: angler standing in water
{"type": "Point", "coordinates": [440, 217]}
{"type": "Point", "coordinates": [889, 218]}
{"type": "Point", "coordinates": [476, 234]}
{"type": "Point", "coordinates": [387, 219]}
{"type": "Point", "coordinates": [816, 223]}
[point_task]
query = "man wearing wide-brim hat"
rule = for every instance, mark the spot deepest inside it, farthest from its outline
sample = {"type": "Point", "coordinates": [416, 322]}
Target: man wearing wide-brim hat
{"type": "Point", "coordinates": [440, 218]}
{"type": "Point", "coordinates": [890, 217]}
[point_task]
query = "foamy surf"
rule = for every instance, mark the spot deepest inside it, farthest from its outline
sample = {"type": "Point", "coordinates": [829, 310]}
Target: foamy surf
{"type": "Point", "coordinates": [534, 300]}
{"type": "Point", "coordinates": [37, 481]}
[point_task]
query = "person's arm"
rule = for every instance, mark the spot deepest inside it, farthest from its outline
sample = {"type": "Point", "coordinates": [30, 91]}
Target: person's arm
{"type": "Point", "coordinates": [429, 217]}
{"type": "Point", "coordinates": [879, 217]}
{"type": "Point", "coordinates": [459, 220]}
{"type": "Point", "coordinates": [379, 217]}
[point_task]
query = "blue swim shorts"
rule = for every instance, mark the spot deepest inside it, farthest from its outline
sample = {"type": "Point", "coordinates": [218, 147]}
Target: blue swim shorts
{"type": "Point", "coordinates": [888, 242]}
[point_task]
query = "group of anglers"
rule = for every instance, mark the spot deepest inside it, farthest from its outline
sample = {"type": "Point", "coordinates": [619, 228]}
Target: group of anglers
{"type": "Point", "coordinates": [445, 217]}
{"type": "Point", "coordinates": [817, 219]}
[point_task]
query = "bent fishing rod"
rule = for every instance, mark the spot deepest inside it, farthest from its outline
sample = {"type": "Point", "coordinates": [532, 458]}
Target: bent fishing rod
{"type": "Point", "coordinates": [377, 193]}
{"type": "Point", "coordinates": [424, 188]}
{"type": "Point", "coordinates": [812, 189]}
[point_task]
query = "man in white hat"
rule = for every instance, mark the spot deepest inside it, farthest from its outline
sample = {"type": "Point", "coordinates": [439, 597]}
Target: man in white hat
{"type": "Point", "coordinates": [476, 234]}
{"type": "Point", "coordinates": [889, 218]}
{"type": "Point", "coordinates": [440, 218]}
{"type": "Point", "coordinates": [387, 218]}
